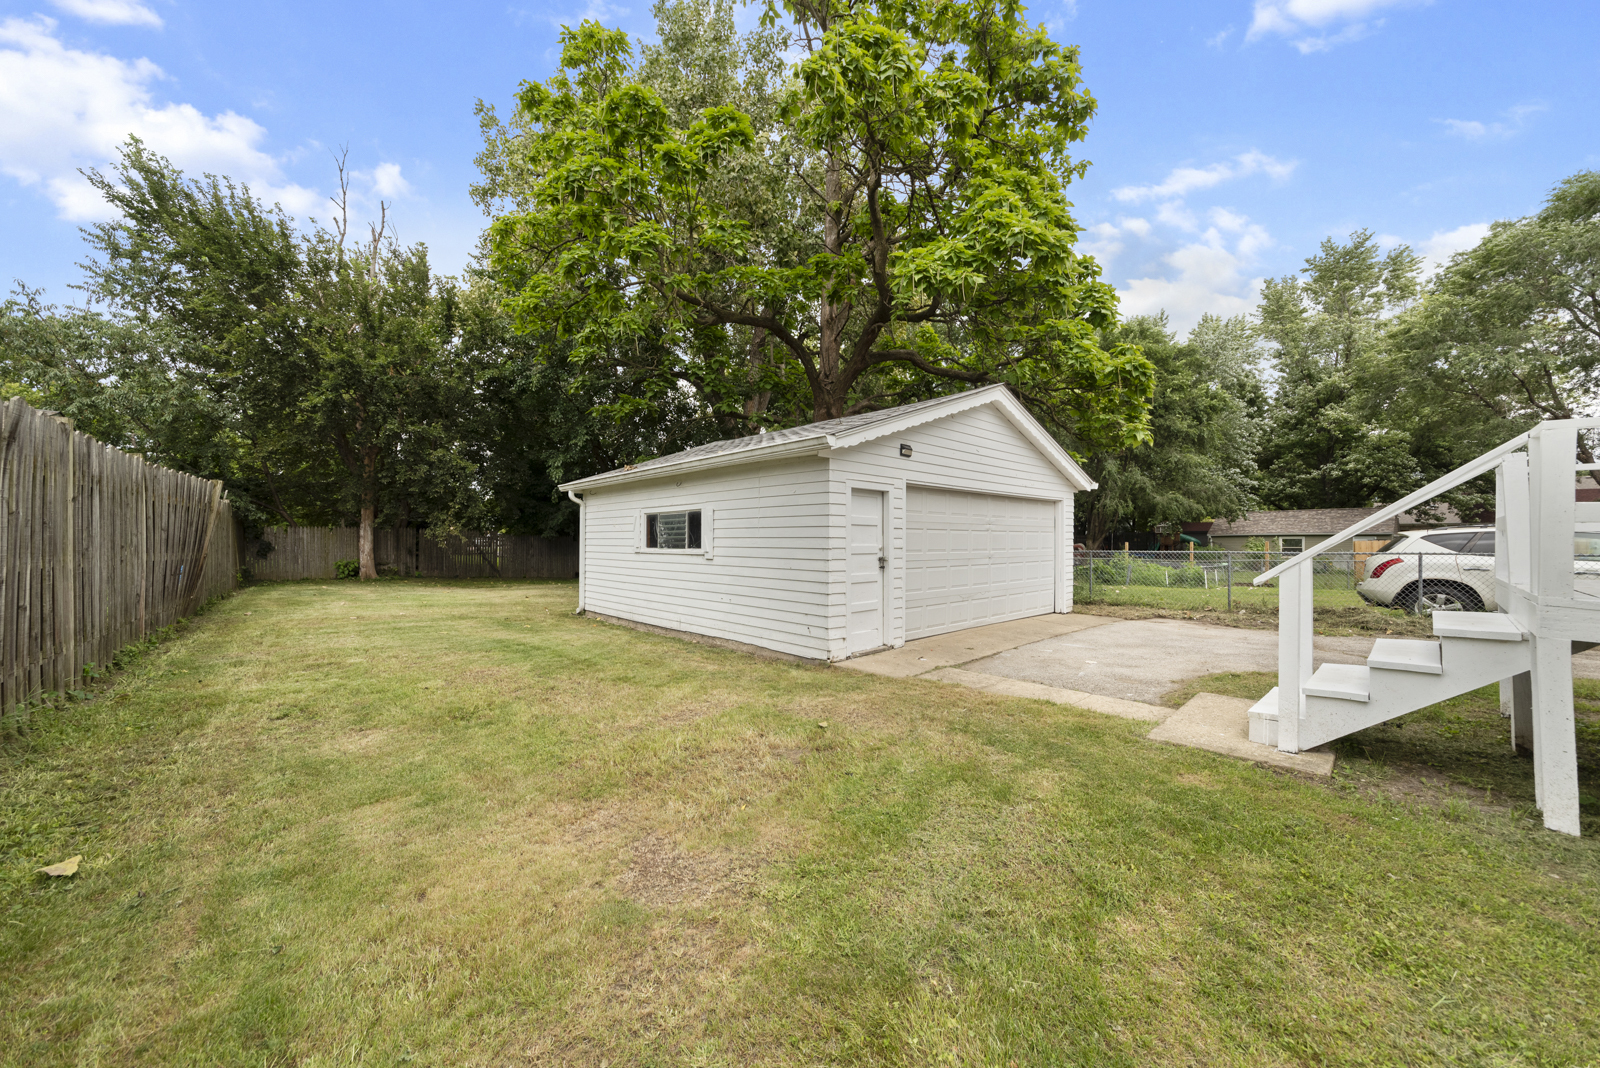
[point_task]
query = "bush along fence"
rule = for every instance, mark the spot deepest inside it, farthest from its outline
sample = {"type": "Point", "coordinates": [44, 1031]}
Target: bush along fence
{"type": "Point", "coordinates": [315, 552]}
{"type": "Point", "coordinates": [98, 548]}
{"type": "Point", "coordinates": [1220, 579]}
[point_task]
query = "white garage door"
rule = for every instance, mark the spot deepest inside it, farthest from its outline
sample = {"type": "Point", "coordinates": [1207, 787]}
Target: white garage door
{"type": "Point", "coordinates": [972, 558]}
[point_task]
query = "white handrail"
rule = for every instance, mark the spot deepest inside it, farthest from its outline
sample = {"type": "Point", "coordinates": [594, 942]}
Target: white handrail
{"type": "Point", "coordinates": [1464, 473]}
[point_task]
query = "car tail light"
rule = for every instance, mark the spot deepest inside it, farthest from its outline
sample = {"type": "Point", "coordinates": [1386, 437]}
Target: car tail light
{"type": "Point", "coordinates": [1381, 568]}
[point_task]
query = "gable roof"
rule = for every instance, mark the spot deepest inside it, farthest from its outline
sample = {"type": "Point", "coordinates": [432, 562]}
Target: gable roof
{"type": "Point", "coordinates": [843, 434]}
{"type": "Point", "coordinates": [1300, 521]}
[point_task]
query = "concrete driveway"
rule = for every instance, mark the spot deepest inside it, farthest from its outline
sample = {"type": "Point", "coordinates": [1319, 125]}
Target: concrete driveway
{"type": "Point", "coordinates": [1142, 659]}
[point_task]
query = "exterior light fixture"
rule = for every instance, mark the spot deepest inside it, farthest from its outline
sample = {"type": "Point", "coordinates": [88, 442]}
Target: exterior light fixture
{"type": "Point", "coordinates": [905, 450]}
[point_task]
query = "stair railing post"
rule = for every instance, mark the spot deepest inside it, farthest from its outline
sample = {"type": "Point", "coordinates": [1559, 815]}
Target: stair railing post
{"type": "Point", "coordinates": [1511, 574]}
{"type": "Point", "coordinates": [1552, 456]}
{"type": "Point", "coordinates": [1294, 653]}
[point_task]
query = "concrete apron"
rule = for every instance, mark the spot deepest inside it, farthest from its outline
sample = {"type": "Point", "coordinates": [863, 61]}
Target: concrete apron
{"type": "Point", "coordinates": [1207, 721]}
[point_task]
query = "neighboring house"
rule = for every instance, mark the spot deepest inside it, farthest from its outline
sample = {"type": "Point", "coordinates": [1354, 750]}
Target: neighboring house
{"type": "Point", "coordinates": [1293, 530]}
{"type": "Point", "coordinates": [839, 537]}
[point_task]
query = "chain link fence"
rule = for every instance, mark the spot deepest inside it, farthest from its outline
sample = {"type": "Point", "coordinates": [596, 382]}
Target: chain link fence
{"type": "Point", "coordinates": [1221, 579]}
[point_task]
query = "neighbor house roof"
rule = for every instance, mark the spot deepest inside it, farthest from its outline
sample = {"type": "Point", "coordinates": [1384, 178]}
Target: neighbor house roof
{"type": "Point", "coordinates": [1299, 521]}
{"type": "Point", "coordinates": [844, 433]}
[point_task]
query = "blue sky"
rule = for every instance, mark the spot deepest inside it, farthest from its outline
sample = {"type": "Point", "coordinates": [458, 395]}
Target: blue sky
{"type": "Point", "coordinates": [1232, 136]}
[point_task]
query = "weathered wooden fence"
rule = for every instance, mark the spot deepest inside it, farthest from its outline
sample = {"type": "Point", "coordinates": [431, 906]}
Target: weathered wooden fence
{"type": "Point", "coordinates": [311, 552]}
{"type": "Point", "coordinates": [97, 549]}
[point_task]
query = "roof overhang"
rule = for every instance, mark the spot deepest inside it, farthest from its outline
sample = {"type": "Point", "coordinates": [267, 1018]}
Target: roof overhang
{"type": "Point", "coordinates": [999, 396]}
{"type": "Point", "coordinates": [778, 450]}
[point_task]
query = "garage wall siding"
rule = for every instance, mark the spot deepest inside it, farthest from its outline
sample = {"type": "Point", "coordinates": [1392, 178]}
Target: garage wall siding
{"type": "Point", "coordinates": [976, 451]}
{"type": "Point", "coordinates": [768, 581]}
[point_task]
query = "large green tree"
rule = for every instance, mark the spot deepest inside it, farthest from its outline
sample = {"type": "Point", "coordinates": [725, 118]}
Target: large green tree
{"type": "Point", "coordinates": [1327, 443]}
{"type": "Point", "coordinates": [902, 231]}
{"type": "Point", "coordinates": [1507, 334]}
{"type": "Point", "coordinates": [1204, 430]}
{"type": "Point", "coordinates": [329, 358]}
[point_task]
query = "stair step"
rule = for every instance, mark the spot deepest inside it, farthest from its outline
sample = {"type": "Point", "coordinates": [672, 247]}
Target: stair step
{"type": "Point", "coordinates": [1264, 719]}
{"type": "Point", "coordinates": [1495, 626]}
{"type": "Point", "coordinates": [1405, 654]}
{"type": "Point", "coordinates": [1343, 682]}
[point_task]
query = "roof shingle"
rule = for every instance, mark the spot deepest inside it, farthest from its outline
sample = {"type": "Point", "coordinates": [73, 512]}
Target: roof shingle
{"type": "Point", "coordinates": [1293, 521]}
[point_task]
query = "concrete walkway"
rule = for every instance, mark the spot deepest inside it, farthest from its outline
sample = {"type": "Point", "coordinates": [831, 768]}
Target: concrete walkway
{"type": "Point", "coordinates": [943, 650]}
{"type": "Point", "coordinates": [1119, 668]}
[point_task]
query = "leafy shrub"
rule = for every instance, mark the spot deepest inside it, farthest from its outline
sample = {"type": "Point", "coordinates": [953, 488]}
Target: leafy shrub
{"type": "Point", "coordinates": [347, 569]}
{"type": "Point", "coordinates": [1110, 572]}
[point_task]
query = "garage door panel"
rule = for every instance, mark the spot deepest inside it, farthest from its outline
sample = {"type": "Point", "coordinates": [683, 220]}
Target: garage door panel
{"type": "Point", "coordinates": [974, 558]}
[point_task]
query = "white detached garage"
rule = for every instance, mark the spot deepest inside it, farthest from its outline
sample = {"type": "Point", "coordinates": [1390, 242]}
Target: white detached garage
{"type": "Point", "coordinates": [840, 537]}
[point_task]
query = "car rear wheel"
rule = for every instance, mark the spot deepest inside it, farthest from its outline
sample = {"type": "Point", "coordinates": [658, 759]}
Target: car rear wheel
{"type": "Point", "coordinates": [1439, 596]}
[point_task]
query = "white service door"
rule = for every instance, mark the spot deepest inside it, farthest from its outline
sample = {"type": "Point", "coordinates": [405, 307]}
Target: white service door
{"type": "Point", "coordinates": [975, 558]}
{"type": "Point", "coordinates": [866, 570]}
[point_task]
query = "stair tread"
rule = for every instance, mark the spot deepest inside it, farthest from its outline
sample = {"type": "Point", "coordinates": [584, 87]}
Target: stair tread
{"type": "Point", "coordinates": [1268, 705]}
{"type": "Point", "coordinates": [1342, 682]}
{"type": "Point", "coordinates": [1405, 654]}
{"type": "Point", "coordinates": [1495, 626]}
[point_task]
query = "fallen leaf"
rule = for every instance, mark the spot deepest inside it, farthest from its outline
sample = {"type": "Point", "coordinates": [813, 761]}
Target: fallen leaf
{"type": "Point", "coordinates": [66, 867]}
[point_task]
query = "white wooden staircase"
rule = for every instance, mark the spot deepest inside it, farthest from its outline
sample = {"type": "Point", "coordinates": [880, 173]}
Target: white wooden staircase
{"type": "Point", "coordinates": [1401, 675]}
{"type": "Point", "coordinates": [1545, 610]}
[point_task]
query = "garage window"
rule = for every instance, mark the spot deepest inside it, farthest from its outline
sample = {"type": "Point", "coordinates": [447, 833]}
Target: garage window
{"type": "Point", "coordinates": [1291, 545]}
{"type": "Point", "coordinates": [672, 530]}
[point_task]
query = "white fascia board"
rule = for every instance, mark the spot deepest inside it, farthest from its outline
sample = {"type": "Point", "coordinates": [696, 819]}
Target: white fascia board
{"type": "Point", "coordinates": [756, 454]}
{"type": "Point", "coordinates": [1042, 440]}
{"type": "Point", "coordinates": [1014, 411]}
{"type": "Point", "coordinates": [959, 402]}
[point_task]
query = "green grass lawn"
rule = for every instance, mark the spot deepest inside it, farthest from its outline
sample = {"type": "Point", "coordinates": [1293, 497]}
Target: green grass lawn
{"type": "Point", "coordinates": [1215, 599]}
{"type": "Point", "coordinates": [452, 824]}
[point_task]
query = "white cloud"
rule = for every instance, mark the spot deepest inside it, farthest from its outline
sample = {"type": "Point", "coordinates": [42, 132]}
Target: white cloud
{"type": "Point", "coordinates": [1173, 213]}
{"type": "Point", "coordinates": [111, 12]}
{"type": "Point", "coordinates": [1474, 130]}
{"type": "Point", "coordinates": [1209, 273]}
{"type": "Point", "coordinates": [1327, 42]}
{"type": "Point", "coordinates": [1437, 250]}
{"type": "Point", "coordinates": [1192, 267]}
{"type": "Point", "coordinates": [1184, 180]}
{"type": "Point", "coordinates": [1468, 128]}
{"type": "Point", "coordinates": [387, 181]}
{"type": "Point", "coordinates": [1206, 276]}
{"type": "Point", "coordinates": [1309, 17]}
{"type": "Point", "coordinates": [62, 109]}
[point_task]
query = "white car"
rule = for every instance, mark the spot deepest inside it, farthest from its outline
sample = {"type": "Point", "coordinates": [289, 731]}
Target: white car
{"type": "Point", "coordinates": [1456, 567]}
{"type": "Point", "coordinates": [1456, 570]}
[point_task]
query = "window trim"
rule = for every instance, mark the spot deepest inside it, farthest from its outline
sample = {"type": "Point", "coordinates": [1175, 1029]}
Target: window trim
{"type": "Point", "coordinates": [640, 522]}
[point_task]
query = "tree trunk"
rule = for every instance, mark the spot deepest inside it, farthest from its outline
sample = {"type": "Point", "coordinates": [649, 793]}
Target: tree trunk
{"type": "Point", "coordinates": [369, 510]}
{"type": "Point", "coordinates": [755, 405]}
{"type": "Point", "coordinates": [830, 393]}
{"type": "Point", "coordinates": [1098, 528]}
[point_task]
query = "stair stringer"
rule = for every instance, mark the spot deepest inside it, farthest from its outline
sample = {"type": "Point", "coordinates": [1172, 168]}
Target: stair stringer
{"type": "Point", "coordinates": [1467, 663]}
